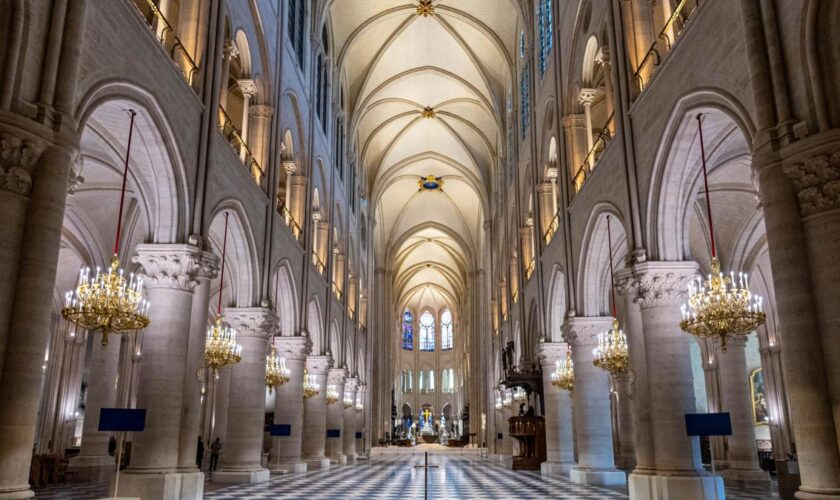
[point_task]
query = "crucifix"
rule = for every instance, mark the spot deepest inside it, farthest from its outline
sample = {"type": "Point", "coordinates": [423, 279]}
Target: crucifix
{"type": "Point", "coordinates": [426, 468]}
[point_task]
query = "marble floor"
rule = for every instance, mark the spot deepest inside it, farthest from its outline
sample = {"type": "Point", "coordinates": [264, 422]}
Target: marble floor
{"type": "Point", "coordinates": [395, 477]}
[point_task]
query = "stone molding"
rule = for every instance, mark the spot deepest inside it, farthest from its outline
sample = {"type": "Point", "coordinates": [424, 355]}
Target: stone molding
{"type": "Point", "coordinates": [626, 284]}
{"type": "Point", "coordinates": [173, 266]}
{"type": "Point", "coordinates": [253, 322]}
{"type": "Point", "coordinates": [318, 365]}
{"type": "Point", "coordinates": [351, 384]}
{"type": "Point", "coordinates": [17, 161]}
{"type": "Point", "coordinates": [260, 111]}
{"type": "Point", "coordinates": [582, 331]}
{"type": "Point", "coordinates": [550, 352]}
{"type": "Point", "coordinates": [817, 183]}
{"type": "Point", "coordinates": [293, 348]}
{"type": "Point", "coordinates": [663, 283]}
{"type": "Point", "coordinates": [337, 376]}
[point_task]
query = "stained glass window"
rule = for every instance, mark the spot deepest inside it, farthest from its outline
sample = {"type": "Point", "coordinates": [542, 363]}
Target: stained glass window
{"type": "Point", "coordinates": [545, 21]}
{"type": "Point", "coordinates": [431, 381]}
{"type": "Point", "coordinates": [525, 99]}
{"type": "Point", "coordinates": [446, 330]}
{"type": "Point", "coordinates": [427, 332]}
{"type": "Point", "coordinates": [408, 331]}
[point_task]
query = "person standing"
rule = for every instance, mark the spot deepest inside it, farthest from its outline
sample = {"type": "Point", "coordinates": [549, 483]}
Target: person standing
{"type": "Point", "coordinates": [199, 453]}
{"type": "Point", "coordinates": [215, 450]}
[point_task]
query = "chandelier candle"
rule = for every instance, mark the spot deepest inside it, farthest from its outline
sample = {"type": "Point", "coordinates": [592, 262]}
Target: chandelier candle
{"type": "Point", "coordinates": [276, 373]}
{"type": "Point", "coordinates": [563, 376]}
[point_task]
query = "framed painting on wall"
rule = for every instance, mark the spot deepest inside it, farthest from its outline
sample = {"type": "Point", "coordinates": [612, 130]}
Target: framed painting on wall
{"type": "Point", "coordinates": [759, 398]}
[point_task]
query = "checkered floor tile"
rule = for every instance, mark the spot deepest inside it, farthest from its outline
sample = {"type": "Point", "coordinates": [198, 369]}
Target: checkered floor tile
{"type": "Point", "coordinates": [397, 478]}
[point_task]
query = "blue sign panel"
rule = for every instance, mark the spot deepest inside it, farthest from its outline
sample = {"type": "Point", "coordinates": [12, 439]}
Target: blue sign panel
{"type": "Point", "coordinates": [333, 433]}
{"type": "Point", "coordinates": [708, 424]}
{"type": "Point", "coordinates": [358, 435]}
{"type": "Point", "coordinates": [122, 419]}
{"type": "Point", "coordinates": [280, 430]}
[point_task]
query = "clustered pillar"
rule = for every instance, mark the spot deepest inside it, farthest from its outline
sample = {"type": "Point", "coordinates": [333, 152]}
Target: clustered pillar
{"type": "Point", "coordinates": [559, 438]}
{"type": "Point", "coordinates": [315, 415]}
{"type": "Point", "coordinates": [288, 407]}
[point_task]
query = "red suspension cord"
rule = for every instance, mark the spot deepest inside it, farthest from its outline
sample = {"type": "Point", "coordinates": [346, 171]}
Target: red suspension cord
{"type": "Point", "coordinates": [125, 177]}
{"type": "Point", "coordinates": [706, 186]}
{"type": "Point", "coordinates": [222, 276]}
{"type": "Point", "coordinates": [612, 276]}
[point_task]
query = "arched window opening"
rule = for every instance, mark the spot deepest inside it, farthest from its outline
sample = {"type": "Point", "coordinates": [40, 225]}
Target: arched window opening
{"type": "Point", "coordinates": [446, 330]}
{"type": "Point", "coordinates": [421, 381]}
{"type": "Point", "coordinates": [408, 331]}
{"type": "Point", "coordinates": [448, 381]}
{"type": "Point", "coordinates": [525, 99]}
{"type": "Point", "coordinates": [322, 90]}
{"type": "Point", "coordinates": [427, 332]}
{"type": "Point", "coordinates": [297, 28]}
{"type": "Point", "coordinates": [431, 382]}
{"type": "Point", "coordinates": [545, 21]}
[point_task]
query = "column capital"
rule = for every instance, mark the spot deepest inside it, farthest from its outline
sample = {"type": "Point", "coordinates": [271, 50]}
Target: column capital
{"type": "Point", "coordinates": [551, 352]}
{"type": "Point", "coordinates": [587, 96]}
{"type": "Point", "coordinates": [625, 283]}
{"type": "Point", "coordinates": [817, 183]}
{"type": "Point", "coordinates": [318, 365]}
{"type": "Point", "coordinates": [248, 87]}
{"type": "Point", "coordinates": [260, 111]}
{"type": "Point", "coordinates": [663, 283]}
{"type": "Point", "coordinates": [573, 121]}
{"type": "Point", "coordinates": [17, 160]}
{"type": "Point", "coordinates": [351, 384]}
{"type": "Point", "coordinates": [337, 376]}
{"type": "Point", "coordinates": [259, 322]}
{"type": "Point", "coordinates": [229, 48]}
{"type": "Point", "coordinates": [172, 266]}
{"type": "Point", "coordinates": [208, 265]}
{"type": "Point", "coordinates": [582, 331]}
{"type": "Point", "coordinates": [293, 348]}
{"type": "Point", "coordinates": [289, 166]}
{"type": "Point", "coordinates": [603, 56]}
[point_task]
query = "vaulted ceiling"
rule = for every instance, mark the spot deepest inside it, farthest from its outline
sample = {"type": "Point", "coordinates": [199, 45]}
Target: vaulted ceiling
{"type": "Point", "coordinates": [426, 94]}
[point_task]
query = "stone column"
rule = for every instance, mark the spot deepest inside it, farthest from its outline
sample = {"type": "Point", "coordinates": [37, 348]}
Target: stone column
{"type": "Point", "coordinates": [229, 52]}
{"type": "Point", "coordinates": [574, 127]}
{"type": "Point", "coordinates": [242, 461]}
{"type": "Point", "coordinates": [804, 362]}
{"type": "Point", "coordinates": [298, 194]}
{"type": "Point", "coordinates": [260, 115]}
{"type": "Point", "coordinates": [323, 242]}
{"type": "Point", "coordinates": [627, 289]}
{"type": "Point", "coordinates": [546, 191]}
{"type": "Point", "coordinates": [208, 267]}
{"type": "Point", "coordinates": [93, 461]}
{"type": "Point", "coordinates": [288, 406]}
{"type": "Point", "coordinates": [678, 472]}
{"type": "Point", "coordinates": [360, 444]}
{"type": "Point", "coordinates": [335, 417]}
{"type": "Point", "coordinates": [736, 399]}
{"type": "Point", "coordinates": [315, 415]}
{"type": "Point", "coordinates": [586, 97]}
{"type": "Point", "coordinates": [349, 430]}
{"type": "Point", "coordinates": [289, 168]}
{"type": "Point", "coordinates": [559, 434]}
{"type": "Point", "coordinates": [592, 413]}
{"type": "Point", "coordinates": [622, 384]}
{"type": "Point", "coordinates": [248, 89]}
{"type": "Point", "coordinates": [170, 279]}
{"type": "Point", "coordinates": [603, 58]}
{"type": "Point", "coordinates": [33, 281]}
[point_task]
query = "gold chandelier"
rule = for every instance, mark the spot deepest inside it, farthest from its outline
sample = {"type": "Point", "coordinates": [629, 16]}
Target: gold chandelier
{"type": "Point", "coordinates": [276, 373]}
{"type": "Point", "coordinates": [220, 347]}
{"type": "Point", "coordinates": [311, 387]}
{"type": "Point", "coordinates": [360, 406]}
{"type": "Point", "coordinates": [108, 301]}
{"type": "Point", "coordinates": [721, 306]}
{"type": "Point", "coordinates": [611, 354]}
{"type": "Point", "coordinates": [348, 401]}
{"type": "Point", "coordinates": [519, 395]}
{"type": "Point", "coordinates": [332, 394]}
{"type": "Point", "coordinates": [563, 376]}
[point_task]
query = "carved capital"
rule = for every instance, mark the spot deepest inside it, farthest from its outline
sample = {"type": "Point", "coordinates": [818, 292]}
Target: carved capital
{"type": "Point", "coordinates": [258, 322]}
{"type": "Point", "coordinates": [17, 160]}
{"type": "Point", "coordinates": [208, 265]}
{"type": "Point", "coordinates": [293, 348]}
{"type": "Point", "coordinates": [337, 376]}
{"type": "Point", "coordinates": [582, 331]}
{"type": "Point", "coordinates": [603, 56]}
{"type": "Point", "coordinates": [261, 111]}
{"type": "Point", "coordinates": [169, 266]}
{"type": "Point", "coordinates": [318, 365]}
{"type": "Point", "coordinates": [248, 87]}
{"type": "Point", "coordinates": [351, 384]}
{"type": "Point", "coordinates": [289, 166]}
{"type": "Point", "coordinates": [817, 182]}
{"type": "Point", "coordinates": [626, 283]}
{"type": "Point", "coordinates": [663, 283]}
{"type": "Point", "coordinates": [551, 352]}
{"type": "Point", "coordinates": [587, 96]}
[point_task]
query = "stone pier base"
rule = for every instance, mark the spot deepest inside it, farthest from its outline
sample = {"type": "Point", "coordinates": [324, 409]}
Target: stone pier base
{"type": "Point", "coordinates": [161, 486]}
{"type": "Point", "coordinates": [656, 487]}
{"type": "Point", "coordinates": [556, 469]}
{"type": "Point", "coordinates": [240, 476]}
{"type": "Point", "coordinates": [598, 477]}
